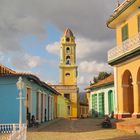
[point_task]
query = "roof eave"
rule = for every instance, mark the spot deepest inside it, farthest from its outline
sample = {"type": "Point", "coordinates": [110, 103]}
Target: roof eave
{"type": "Point", "coordinates": [108, 23]}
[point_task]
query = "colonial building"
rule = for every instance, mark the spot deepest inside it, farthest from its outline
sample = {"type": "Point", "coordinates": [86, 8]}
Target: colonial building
{"type": "Point", "coordinates": [68, 72]}
{"type": "Point", "coordinates": [39, 100]}
{"type": "Point", "coordinates": [125, 57]}
{"type": "Point", "coordinates": [102, 97]}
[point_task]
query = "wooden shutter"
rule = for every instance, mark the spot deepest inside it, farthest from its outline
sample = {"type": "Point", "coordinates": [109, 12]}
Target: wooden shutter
{"type": "Point", "coordinates": [138, 23]}
{"type": "Point", "coordinates": [101, 104]}
{"type": "Point", "coordinates": [125, 32]}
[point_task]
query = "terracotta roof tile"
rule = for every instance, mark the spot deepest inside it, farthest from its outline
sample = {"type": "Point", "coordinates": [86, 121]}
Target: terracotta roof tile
{"type": "Point", "coordinates": [68, 33]}
{"type": "Point", "coordinates": [11, 73]}
{"type": "Point", "coordinates": [4, 69]}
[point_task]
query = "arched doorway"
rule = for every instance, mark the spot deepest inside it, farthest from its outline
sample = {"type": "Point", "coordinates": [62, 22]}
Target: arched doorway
{"type": "Point", "coordinates": [128, 99]}
{"type": "Point", "coordinates": [110, 102]}
{"type": "Point", "coordinates": [138, 82]}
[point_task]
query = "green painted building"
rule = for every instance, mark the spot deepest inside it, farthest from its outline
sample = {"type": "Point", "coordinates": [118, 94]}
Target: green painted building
{"type": "Point", "coordinates": [102, 97]}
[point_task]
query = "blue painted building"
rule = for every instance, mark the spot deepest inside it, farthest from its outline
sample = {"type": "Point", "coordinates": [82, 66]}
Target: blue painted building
{"type": "Point", "coordinates": [38, 98]}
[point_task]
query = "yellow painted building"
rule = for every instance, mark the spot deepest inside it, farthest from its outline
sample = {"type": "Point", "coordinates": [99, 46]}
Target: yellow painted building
{"type": "Point", "coordinates": [68, 72]}
{"type": "Point", "coordinates": [125, 58]}
{"type": "Point", "coordinates": [62, 107]}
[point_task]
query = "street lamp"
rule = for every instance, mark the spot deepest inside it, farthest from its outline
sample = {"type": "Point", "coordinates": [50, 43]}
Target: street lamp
{"type": "Point", "coordinates": [20, 86]}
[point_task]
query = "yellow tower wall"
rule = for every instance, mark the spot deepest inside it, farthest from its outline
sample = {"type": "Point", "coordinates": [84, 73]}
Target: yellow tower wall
{"type": "Point", "coordinates": [68, 70]}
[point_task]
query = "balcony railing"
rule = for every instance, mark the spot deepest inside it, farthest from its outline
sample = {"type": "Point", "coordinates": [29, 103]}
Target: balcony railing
{"type": "Point", "coordinates": [14, 131]}
{"type": "Point", "coordinates": [125, 48]}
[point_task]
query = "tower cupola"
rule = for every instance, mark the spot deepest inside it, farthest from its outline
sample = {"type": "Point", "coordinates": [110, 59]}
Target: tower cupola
{"type": "Point", "coordinates": [68, 37]}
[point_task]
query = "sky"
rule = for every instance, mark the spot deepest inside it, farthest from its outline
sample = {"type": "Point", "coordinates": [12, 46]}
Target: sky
{"type": "Point", "coordinates": [30, 32]}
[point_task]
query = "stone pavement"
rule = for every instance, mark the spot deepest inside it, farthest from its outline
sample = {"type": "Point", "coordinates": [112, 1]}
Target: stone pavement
{"type": "Point", "coordinates": [82, 129]}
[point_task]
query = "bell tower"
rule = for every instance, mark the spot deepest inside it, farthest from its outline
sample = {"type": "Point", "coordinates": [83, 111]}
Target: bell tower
{"type": "Point", "coordinates": [68, 72]}
{"type": "Point", "coordinates": [68, 67]}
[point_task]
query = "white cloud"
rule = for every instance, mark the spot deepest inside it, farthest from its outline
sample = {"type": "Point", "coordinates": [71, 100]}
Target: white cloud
{"type": "Point", "coordinates": [93, 67]}
{"type": "Point", "coordinates": [90, 49]}
{"type": "Point", "coordinates": [86, 49]}
{"type": "Point", "coordinates": [53, 48]}
{"type": "Point", "coordinates": [27, 62]}
{"type": "Point", "coordinates": [83, 80]}
{"type": "Point", "coordinates": [89, 69]}
{"type": "Point", "coordinates": [33, 61]}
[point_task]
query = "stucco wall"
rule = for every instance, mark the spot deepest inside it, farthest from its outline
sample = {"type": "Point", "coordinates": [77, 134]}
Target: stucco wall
{"type": "Point", "coordinates": [9, 105]}
{"type": "Point", "coordinates": [104, 90]}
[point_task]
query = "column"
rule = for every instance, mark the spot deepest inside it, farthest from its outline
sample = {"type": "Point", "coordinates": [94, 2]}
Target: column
{"type": "Point", "coordinates": [116, 93]}
{"type": "Point", "coordinates": [106, 103]}
{"type": "Point", "coordinates": [39, 107]}
{"type": "Point", "coordinates": [98, 104]}
{"type": "Point", "coordinates": [123, 103]}
{"type": "Point", "coordinates": [50, 108]}
{"type": "Point", "coordinates": [52, 102]}
{"type": "Point", "coordinates": [43, 113]}
{"type": "Point", "coordinates": [136, 113]}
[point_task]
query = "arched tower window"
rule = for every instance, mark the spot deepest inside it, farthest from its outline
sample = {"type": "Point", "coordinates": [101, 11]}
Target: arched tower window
{"type": "Point", "coordinates": [67, 50]}
{"type": "Point", "coordinates": [68, 60]}
{"type": "Point", "coordinates": [67, 74]}
{"type": "Point", "coordinates": [67, 39]}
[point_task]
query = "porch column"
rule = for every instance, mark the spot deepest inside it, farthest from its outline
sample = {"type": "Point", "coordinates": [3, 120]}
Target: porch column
{"type": "Point", "coordinates": [39, 106]}
{"type": "Point", "coordinates": [136, 113]}
{"type": "Point", "coordinates": [98, 104]}
{"type": "Point", "coordinates": [106, 103]}
{"type": "Point", "coordinates": [50, 108]}
{"type": "Point", "coordinates": [116, 93]}
{"type": "Point", "coordinates": [43, 113]}
{"type": "Point", "coordinates": [123, 103]}
{"type": "Point", "coordinates": [52, 102]}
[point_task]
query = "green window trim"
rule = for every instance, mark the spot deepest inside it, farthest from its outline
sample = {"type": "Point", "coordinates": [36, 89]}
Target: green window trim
{"type": "Point", "coordinates": [139, 23]}
{"type": "Point", "coordinates": [125, 32]}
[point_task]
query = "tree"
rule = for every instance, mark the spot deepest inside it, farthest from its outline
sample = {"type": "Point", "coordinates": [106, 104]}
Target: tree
{"type": "Point", "coordinates": [101, 76]}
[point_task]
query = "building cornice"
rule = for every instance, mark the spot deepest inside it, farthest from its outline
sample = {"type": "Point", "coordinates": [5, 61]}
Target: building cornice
{"type": "Point", "coordinates": [118, 12]}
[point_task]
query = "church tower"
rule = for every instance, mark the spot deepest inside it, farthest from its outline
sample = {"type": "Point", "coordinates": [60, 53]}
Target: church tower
{"type": "Point", "coordinates": [68, 72]}
{"type": "Point", "coordinates": [68, 68]}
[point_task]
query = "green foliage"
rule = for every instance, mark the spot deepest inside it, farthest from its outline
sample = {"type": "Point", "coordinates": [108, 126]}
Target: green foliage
{"type": "Point", "coordinates": [101, 76]}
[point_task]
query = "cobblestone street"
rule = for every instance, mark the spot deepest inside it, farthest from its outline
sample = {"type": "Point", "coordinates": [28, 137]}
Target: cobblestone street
{"type": "Point", "coordinates": [83, 129]}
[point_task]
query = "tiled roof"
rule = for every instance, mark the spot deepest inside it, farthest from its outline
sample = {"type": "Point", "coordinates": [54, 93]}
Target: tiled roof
{"type": "Point", "coordinates": [101, 83]}
{"type": "Point", "coordinates": [119, 9]}
{"type": "Point", "coordinates": [68, 33]}
{"type": "Point", "coordinates": [10, 73]}
{"type": "Point", "coordinates": [4, 69]}
{"type": "Point", "coordinates": [122, 5]}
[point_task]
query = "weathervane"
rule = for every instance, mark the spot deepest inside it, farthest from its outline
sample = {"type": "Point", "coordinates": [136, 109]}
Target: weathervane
{"type": "Point", "coordinates": [118, 3]}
